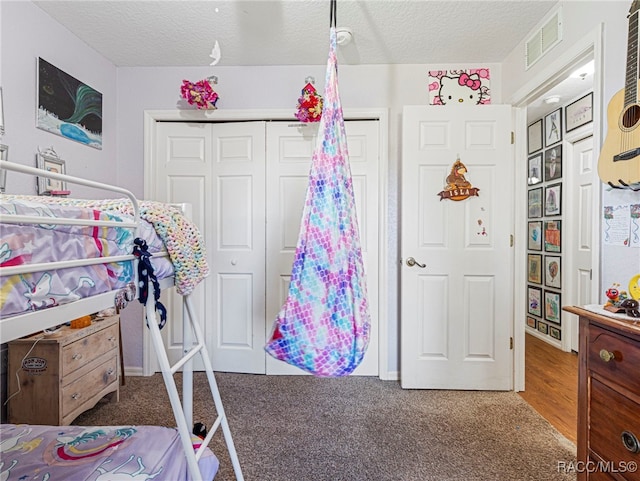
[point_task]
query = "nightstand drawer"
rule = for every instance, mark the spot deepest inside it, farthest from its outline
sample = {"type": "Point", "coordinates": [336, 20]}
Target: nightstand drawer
{"type": "Point", "coordinates": [614, 357]}
{"type": "Point", "coordinates": [85, 388]}
{"type": "Point", "coordinates": [83, 351]}
{"type": "Point", "coordinates": [615, 433]}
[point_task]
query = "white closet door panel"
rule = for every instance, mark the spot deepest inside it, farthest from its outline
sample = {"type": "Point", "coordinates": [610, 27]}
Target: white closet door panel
{"type": "Point", "coordinates": [289, 152]}
{"type": "Point", "coordinates": [221, 169]}
{"type": "Point", "coordinates": [291, 197]}
{"type": "Point", "coordinates": [236, 252]}
{"type": "Point", "coordinates": [182, 175]}
{"type": "Point", "coordinates": [363, 139]}
{"type": "Point", "coordinates": [235, 212]}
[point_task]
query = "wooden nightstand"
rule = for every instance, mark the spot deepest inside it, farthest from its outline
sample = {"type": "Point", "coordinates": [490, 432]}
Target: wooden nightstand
{"type": "Point", "coordinates": [64, 374]}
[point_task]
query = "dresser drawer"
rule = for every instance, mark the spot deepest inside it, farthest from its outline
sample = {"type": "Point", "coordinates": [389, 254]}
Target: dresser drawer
{"type": "Point", "coordinates": [596, 475]}
{"type": "Point", "coordinates": [609, 424]}
{"type": "Point", "coordinates": [85, 388]}
{"type": "Point", "coordinates": [622, 368]}
{"type": "Point", "coordinates": [85, 350]}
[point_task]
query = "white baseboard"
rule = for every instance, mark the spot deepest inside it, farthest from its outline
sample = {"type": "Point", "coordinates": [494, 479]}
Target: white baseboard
{"type": "Point", "coordinates": [133, 371]}
{"type": "Point", "coordinates": [391, 376]}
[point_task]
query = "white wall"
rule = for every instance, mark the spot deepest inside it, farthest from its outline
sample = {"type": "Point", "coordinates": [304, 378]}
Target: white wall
{"type": "Point", "coordinates": [28, 33]}
{"type": "Point", "coordinates": [580, 18]}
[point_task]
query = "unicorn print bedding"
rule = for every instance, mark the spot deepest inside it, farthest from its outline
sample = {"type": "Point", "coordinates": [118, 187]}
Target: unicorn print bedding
{"type": "Point", "coordinates": [161, 226]}
{"type": "Point", "coordinates": [79, 453]}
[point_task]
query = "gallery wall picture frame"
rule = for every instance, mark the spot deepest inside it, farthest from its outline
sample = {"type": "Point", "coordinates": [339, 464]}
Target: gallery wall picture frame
{"type": "Point", "coordinates": [552, 306]}
{"type": "Point", "coordinates": [534, 240]}
{"type": "Point", "coordinates": [534, 301]}
{"type": "Point", "coordinates": [4, 155]}
{"type": "Point", "coordinates": [76, 116]}
{"type": "Point", "coordinates": [531, 322]}
{"type": "Point", "coordinates": [534, 203]}
{"type": "Point", "coordinates": [553, 200]}
{"type": "Point", "coordinates": [555, 333]}
{"type": "Point", "coordinates": [49, 161]}
{"type": "Point", "coordinates": [534, 137]}
{"type": "Point", "coordinates": [553, 127]}
{"type": "Point", "coordinates": [534, 175]}
{"type": "Point", "coordinates": [553, 163]}
{"type": "Point", "coordinates": [543, 327]}
{"type": "Point", "coordinates": [579, 113]}
{"type": "Point", "coordinates": [552, 271]}
{"type": "Point", "coordinates": [553, 236]}
{"type": "Point", "coordinates": [1, 113]}
{"type": "Point", "coordinates": [534, 268]}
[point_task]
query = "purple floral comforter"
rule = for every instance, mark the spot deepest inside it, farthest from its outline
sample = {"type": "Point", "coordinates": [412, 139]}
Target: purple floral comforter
{"type": "Point", "coordinates": [22, 244]}
{"type": "Point", "coordinates": [103, 453]}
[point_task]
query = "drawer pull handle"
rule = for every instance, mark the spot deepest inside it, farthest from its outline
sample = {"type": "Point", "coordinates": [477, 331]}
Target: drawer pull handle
{"type": "Point", "coordinates": [607, 356]}
{"type": "Point", "coordinates": [106, 378]}
{"type": "Point", "coordinates": [76, 395]}
{"type": "Point", "coordinates": [111, 339]}
{"type": "Point", "coordinates": [76, 356]}
{"type": "Point", "coordinates": [630, 442]}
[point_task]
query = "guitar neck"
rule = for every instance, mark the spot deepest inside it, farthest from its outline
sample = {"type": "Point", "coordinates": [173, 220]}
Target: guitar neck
{"type": "Point", "coordinates": [632, 74]}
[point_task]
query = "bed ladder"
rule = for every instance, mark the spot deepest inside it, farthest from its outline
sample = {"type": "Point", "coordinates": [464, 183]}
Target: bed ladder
{"type": "Point", "coordinates": [183, 411]}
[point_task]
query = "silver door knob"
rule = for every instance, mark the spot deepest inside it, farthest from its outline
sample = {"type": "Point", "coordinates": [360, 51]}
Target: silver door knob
{"type": "Point", "coordinates": [412, 262]}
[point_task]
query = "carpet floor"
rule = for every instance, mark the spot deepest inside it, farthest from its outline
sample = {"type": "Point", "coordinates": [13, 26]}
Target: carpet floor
{"type": "Point", "coordinates": [302, 428]}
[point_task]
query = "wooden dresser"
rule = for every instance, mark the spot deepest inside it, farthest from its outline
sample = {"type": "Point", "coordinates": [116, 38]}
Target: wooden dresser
{"type": "Point", "coordinates": [63, 374]}
{"type": "Point", "coordinates": [608, 397]}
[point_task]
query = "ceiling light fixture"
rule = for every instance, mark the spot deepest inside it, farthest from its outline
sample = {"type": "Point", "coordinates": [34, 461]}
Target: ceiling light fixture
{"type": "Point", "coordinates": [582, 72]}
{"type": "Point", "coordinates": [344, 36]}
{"type": "Point", "coordinates": [552, 99]}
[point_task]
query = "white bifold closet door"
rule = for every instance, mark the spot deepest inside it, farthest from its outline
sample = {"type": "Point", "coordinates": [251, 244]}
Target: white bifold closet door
{"type": "Point", "coordinates": [247, 183]}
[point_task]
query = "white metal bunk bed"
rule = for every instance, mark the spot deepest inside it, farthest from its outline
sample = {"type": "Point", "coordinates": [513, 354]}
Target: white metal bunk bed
{"type": "Point", "coordinates": [16, 326]}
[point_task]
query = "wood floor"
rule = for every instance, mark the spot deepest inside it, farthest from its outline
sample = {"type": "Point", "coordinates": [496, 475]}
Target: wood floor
{"type": "Point", "coordinates": [551, 384]}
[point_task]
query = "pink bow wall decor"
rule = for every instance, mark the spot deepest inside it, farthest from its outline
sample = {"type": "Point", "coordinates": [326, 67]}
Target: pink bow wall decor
{"type": "Point", "coordinates": [472, 83]}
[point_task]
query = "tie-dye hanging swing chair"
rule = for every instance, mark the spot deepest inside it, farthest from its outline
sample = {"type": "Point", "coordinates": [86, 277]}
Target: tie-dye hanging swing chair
{"type": "Point", "coordinates": [323, 326]}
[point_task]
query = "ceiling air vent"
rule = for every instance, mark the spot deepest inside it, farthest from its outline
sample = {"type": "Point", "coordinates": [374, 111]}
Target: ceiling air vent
{"type": "Point", "coordinates": [544, 38]}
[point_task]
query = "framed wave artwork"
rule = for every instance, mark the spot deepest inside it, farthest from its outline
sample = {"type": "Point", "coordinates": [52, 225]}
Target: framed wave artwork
{"type": "Point", "coordinates": [68, 107]}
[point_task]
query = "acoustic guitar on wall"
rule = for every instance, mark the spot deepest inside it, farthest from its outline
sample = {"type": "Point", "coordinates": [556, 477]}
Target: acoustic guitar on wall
{"type": "Point", "coordinates": [619, 161]}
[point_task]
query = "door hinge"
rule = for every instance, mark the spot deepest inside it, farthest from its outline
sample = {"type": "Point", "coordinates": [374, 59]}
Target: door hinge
{"type": "Point", "coordinates": [590, 274]}
{"type": "Point", "coordinates": [510, 240]}
{"type": "Point", "coordinates": [513, 138]}
{"type": "Point", "coordinates": [511, 343]}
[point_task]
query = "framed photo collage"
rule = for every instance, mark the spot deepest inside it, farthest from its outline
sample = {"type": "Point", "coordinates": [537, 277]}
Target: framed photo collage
{"type": "Point", "coordinates": [544, 225]}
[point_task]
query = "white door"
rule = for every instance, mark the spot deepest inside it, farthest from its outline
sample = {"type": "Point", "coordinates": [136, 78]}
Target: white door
{"type": "Point", "coordinates": [220, 170]}
{"type": "Point", "coordinates": [457, 310]}
{"type": "Point", "coordinates": [240, 176]}
{"type": "Point", "coordinates": [289, 151]}
{"type": "Point", "coordinates": [580, 251]}
{"type": "Point", "coordinates": [236, 253]}
{"type": "Point", "coordinates": [182, 173]}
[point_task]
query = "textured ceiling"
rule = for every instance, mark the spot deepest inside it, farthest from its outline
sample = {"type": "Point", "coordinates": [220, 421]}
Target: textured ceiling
{"type": "Point", "coordinates": [295, 32]}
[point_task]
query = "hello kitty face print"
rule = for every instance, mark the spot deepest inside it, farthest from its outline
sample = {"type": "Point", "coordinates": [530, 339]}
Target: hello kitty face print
{"type": "Point", "coordinates": [459, 87]}
{"type": "Point", "coordinates": [460, 90]}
